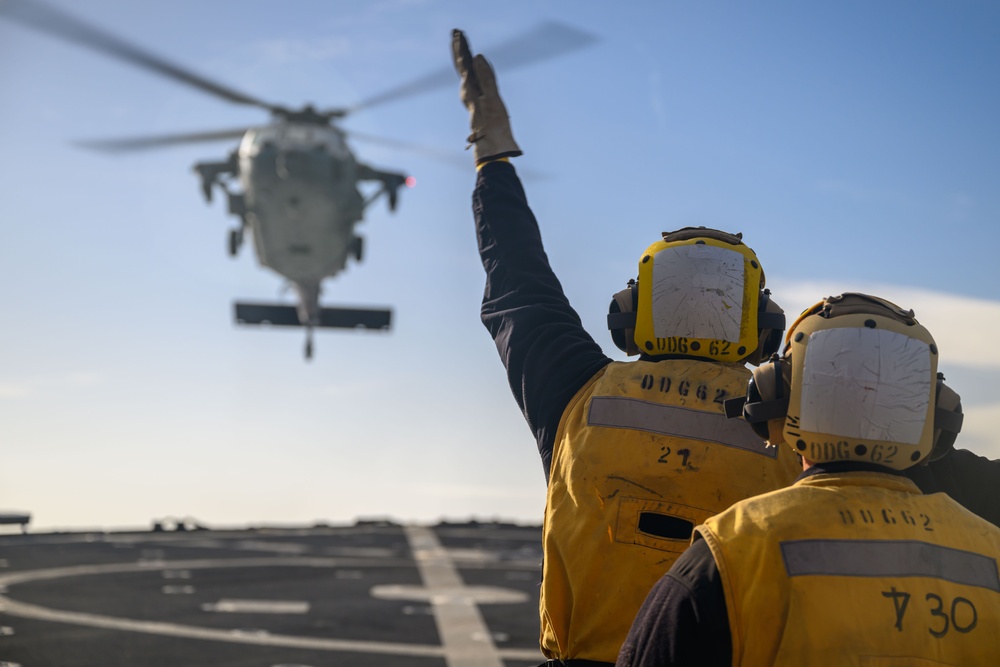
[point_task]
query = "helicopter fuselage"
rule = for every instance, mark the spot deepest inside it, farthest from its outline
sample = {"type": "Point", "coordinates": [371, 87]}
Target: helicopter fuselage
{"type": "Point", "coordinates": [300, 196]}
{"type": "Point", "coordinates": [301, 199]}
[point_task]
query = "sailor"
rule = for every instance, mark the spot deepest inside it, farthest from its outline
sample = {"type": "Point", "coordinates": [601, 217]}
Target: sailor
{"type": "Point", "coordinates": [635, 453]}
{"type": "Point", "coordinates": [852, 565]}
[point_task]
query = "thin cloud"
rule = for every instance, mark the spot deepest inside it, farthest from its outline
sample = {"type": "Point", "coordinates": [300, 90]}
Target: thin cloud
{"type": "Point", "coordinates": [962, 326]}
{"type": "Point", "coordinates": [466, 491]}
{"type": "Point", "coordinates": [9, 392]}
{"type": "Point", "coordinates": [80, 379]}
{"type": "Point", "coordinates": [39, 386]}
{"type": "Point", "coordinates": [353, 389]}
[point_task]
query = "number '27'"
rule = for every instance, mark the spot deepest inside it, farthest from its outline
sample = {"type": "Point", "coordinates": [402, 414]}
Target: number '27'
{"type": "Point", "coordinates": [683, 453]}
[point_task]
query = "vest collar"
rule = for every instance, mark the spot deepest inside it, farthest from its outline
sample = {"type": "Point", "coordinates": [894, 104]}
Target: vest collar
{"type": "Point", "coordinates": [853, 473]}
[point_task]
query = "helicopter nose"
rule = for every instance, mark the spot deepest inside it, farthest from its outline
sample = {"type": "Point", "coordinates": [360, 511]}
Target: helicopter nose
{"type": "Point", "coordinates": [291, 164]}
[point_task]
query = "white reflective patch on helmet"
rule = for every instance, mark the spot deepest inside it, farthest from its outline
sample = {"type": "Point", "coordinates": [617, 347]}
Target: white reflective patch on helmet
{"type": "Point", "coordinates": [698, 292]}
{"type": "Point", "coordinates": [868, 384]}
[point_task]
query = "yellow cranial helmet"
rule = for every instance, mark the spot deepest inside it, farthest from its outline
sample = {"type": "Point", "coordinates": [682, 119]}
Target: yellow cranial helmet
{"type": "Point", "coordinates": [700, 293]}
{"type": "Point", "coordinates": [857, 381]}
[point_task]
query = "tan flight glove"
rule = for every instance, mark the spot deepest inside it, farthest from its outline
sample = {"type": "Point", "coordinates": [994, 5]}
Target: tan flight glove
{"type": "Point", "coordinates": [491, 137]}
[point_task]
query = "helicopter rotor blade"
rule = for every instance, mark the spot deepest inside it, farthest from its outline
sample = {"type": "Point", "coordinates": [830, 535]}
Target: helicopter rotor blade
{"type": "Point", "coordinates": [160, 141]}
{"type": "Point", "coordinates": [456, 159]}
{"type": "Point", "coordinates": [446, 156]}
{"type": "Point", "coordinates": [56, 22]}
{"type": "Point", "coordinates": [545, 41]}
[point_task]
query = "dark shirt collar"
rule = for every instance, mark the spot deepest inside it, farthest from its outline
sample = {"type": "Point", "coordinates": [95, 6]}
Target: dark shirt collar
{"type": "Point", "coordinates": [837, 467]}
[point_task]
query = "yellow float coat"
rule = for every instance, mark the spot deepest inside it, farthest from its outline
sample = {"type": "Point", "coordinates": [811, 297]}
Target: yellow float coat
{"type": "Point", "coordinates": [860, 569]}
{"type": "Point", "coordinates": [643, 454]}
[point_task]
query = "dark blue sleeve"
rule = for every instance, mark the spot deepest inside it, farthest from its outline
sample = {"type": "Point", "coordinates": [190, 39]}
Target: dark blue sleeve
{"type": "Point", "coordinates": [540, 338]}
{"type": "Point", "coordinates": [683, 622]}
{"type": "Point", "coordinates": [971, 480]}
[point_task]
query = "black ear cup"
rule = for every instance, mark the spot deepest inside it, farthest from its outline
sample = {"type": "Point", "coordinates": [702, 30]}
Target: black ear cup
{"type": "Point", "coordinates": [753, 397]}
{"type": "Point", "coordinates": [617, 335]}
{"type": "Point", "coordinates": [948, 419]}
{"type": "Point", "coordinates": [770, 328]}
{"type": "Point", "coordinates": [771, 342]}
{"type": "Point", "coordinates": [621, 318]}
{"type": "Point", "coordinates": [767, 395]}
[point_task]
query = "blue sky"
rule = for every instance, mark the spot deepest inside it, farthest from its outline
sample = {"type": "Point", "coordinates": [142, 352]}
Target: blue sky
{"type": "Point", "coordinates": [853, 143]}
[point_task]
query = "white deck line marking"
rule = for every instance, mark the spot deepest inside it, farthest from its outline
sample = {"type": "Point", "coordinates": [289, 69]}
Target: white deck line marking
{"type": "Point", "coordinates": [193, 632]}
{"type": "Point", "coordinates": [273, 547]}
{"type": "Point", "coordinates": [466, 639]}
{"type": "Point", "coordinates": [178, 590]}
{"type": "Point", "coordinates": [24, 610]}
{"type": "Point", "coordinates": [228, 605]}
{"type": "Point", "coordinates": [476, 594]}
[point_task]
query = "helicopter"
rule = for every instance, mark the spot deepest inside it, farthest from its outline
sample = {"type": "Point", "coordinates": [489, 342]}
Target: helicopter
{"type": "Point", "coordinates": [292, 183]}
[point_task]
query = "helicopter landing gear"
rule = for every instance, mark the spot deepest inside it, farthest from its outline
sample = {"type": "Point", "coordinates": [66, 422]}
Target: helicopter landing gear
{"type": "Point", "coordinates": [235, 241]}
{"type": "Point", "coordinates": [357, 247]}
{"type": "Point", "coordinates": [309, 345]}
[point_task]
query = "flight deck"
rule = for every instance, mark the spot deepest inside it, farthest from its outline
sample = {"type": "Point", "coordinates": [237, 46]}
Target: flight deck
{"type": "Point", "coordinates": [373, 593]}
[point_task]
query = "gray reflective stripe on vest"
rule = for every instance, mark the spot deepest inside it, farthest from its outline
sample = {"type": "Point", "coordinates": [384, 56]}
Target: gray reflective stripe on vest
{"type": "Point", "coordinates": [884, 558]}
{"type": "Point", "coordinates": [620, 412]}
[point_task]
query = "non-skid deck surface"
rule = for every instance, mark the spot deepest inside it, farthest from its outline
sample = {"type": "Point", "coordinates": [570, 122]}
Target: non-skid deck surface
{"type": "Point", "coordinates": [461, 595]}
